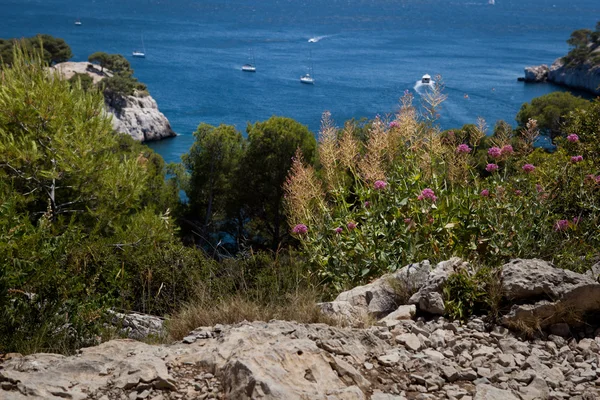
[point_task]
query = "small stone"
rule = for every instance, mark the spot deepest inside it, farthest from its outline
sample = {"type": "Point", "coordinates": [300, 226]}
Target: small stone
{"type": "Point", "coordinates": [409, 340]}
{"type": "Point", "coordinates": [561, 329]}
{"type": "Point", "coordinates": [389, 360]}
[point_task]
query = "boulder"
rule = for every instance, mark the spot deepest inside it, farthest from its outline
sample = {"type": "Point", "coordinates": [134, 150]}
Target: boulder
{"type": "Point", "coordinates": [385, 294]}
{"type": "Point", "coordinates": [429, 297]}
{"type": "Point", "coordinates": [137, 325]}
{"type": "Point", "coordinates": [536, 74]}
{"type": "Point", "coordinates": [546, 295]}
{"type": "Point", "coordinates": [139, 117]}
{"type": "Point", "coordinates": [402, 313]}
{"type": "Point", "coordinates": [344, 313]}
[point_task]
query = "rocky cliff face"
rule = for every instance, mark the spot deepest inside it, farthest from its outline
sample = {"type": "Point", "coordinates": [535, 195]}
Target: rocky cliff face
{"type": "Point", "coordinates": [584, 77]}
{"type": "Point", "coordinates": [139, 117]}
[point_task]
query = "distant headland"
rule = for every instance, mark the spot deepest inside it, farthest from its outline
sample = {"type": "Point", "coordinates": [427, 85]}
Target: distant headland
{"type": "Point", "coordinates": [579, 69]}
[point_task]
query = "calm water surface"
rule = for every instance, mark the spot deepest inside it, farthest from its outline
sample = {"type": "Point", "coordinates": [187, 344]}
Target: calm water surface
{"type": "Point", "coordinates": [366, 54]}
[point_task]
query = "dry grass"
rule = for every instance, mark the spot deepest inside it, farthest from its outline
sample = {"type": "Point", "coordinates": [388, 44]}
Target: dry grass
{"type": "Point", "coordinates": [300, 307]}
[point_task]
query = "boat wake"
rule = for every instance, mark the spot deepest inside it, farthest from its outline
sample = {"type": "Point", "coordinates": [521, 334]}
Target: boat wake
{"type": "Point", "coordinates": [317, 38]}
{"type": "Point", "coordinates": [421, 87]}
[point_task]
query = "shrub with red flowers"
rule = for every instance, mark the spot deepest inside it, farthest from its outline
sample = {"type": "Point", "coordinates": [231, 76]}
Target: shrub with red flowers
{"type": "Point", "coordinates": [417, 194]}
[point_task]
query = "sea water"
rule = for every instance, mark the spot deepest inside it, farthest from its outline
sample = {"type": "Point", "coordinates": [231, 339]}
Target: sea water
{"type": "Point", "coordinates": [365, 54]}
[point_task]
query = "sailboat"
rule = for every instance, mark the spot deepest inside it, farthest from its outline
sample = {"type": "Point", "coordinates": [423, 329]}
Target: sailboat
{"type": "Point", "coordinates": [308, 79]}
{"type": "Point", "coordinates": [78, 22]}
{"type": "Point", "coordinates": [250, 67]}
{"type": "Point", "coordinates": [140, 54]}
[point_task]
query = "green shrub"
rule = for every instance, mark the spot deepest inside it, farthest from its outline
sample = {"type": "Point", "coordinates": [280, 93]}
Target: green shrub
{"type": "Point", "coordinates": [410, 193]}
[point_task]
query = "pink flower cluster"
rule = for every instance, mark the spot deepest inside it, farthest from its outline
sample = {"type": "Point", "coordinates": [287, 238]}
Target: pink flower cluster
{"type": "Point", "coordinates": [463, 149]}
{"type": "Point", "coordinates": [338, 230]}
{"type": "Point", "coordinates": [507, 149]}
{"type": "Point", "coordinates": [491, 167]}
{"type": "Point", "coordinates": [351, 226]}
{"type": "Point", "coordinates": [394, 124]}
{"type": "Point", "coordinates": [561, 225]}
{"type": "Point", "coordinates": [300, 229]}
{"type": "Point", "coordinates": [593, 179]}
{"type": "Point", "coordinates": [573, 138]}
{"type": "Point", "coordinates": [495, 152]}
{"type": "Point", "coordinates": [528, 168]}
{"type": "Point", "coordinates": [576, 159]}
{"type": "Point", "coordinates": [427, 194]}
{"type": "Point", "coordinates": [485, 193]}
{"type": "Point", "coordinates": [380, 185]}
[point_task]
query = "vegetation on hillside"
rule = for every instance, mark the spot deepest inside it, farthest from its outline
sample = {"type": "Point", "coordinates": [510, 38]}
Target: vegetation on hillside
{"type": "Point", "coordinates": [52, 50]}
{"type": "Point", "coordinates": [120, 81]}
{"type": "Point", "coordinates": [273, 221]}
{"type": "Point", "coordinates": [584, 47]}
{"type": "Point", "coordinates": [410, 193]}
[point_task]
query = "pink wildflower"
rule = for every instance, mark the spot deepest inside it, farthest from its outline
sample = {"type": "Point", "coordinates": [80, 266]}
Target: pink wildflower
{"type": "Point", "coordinates": [485, 193]}
{"type": "Point", "coordinates": [463, 149]}
{"type": "Point", "coordinates": [528, 168]}
{"type": "Point", "coordinates": [338, 230]}
{"type": "Point", "coordinates": [394, 124]}
{"type": "Point", "coordinates": [427, 194]}
{"type": "Point", "coordinates": [407, 221]}
{"type": "Point", "coordinates": [380, 185]}
{"type": "Point", "coordinates": [561, 225]}
{"type": "Point", "coordinates": [539, 188]}
{"type": "Point", "coordinates": [494, 152]}
{"type": "Point", "coordinates": [367, 204]}
{"type": "Point", "coordinates": [518, 192]}
{"type": "Point", "coordinates": [351, 226]}
{"type": "Point", "coordinates": [508, 149]}
{"type": "Point", "coordinates": [573, 138]}
{"type": "Point", "coordinates": [491, 167]}
{"type": "Point", "coordinates": [300, 229]}
{"type": "Point", "coordinates": [576, 159]}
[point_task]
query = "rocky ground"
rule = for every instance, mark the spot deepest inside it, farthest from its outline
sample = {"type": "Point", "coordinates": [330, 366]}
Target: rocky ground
{"type": "Point", "coordinates": [404, 356]}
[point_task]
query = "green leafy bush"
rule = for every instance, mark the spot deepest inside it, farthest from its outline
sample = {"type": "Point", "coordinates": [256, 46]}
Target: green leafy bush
{"type": "Point", "coordinates": [410, 193]}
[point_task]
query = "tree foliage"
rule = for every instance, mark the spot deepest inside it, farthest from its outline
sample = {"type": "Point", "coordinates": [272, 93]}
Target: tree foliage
{"type": "Point", "coordinates": [84, 215]}
{"type": "Point", "coordinates": [214, 163]}
{"type": "Point", "coordinates": [551, 112]}
{"type": "Point", "coordinates": [53, 50]}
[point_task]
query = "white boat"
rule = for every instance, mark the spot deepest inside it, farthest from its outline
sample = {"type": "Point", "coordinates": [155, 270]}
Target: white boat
{"type": "Point", "coordinates": [426, 79]}
{"type": "Point", "coordinates": [307, 78]}
{"type": "Point", "coordinates": [78, 22]}
{"type": "Point", "coordinates": [140, 54]}
{"type": "Point", "coordinates": [251, 66]}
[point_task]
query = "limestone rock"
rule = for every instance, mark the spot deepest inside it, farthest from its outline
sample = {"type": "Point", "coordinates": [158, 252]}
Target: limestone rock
{"type": "Point", "coordinates": [139, 117]}
{"type": "Point", "coordinates": [402, 313]}
{"type": "Point", "coordinates": [488, 392]}
{"type": "Point", "coordinates": [429, 297]}
{"type": "Point", "coordinates": [537, 73]}
{"type": "Point", "coordinates": [547, 295]}
{"type": "Point", "coordinates": [344, 312]}
{"type": "Point", "coordinates": [136, 325]}
{"type": "Point", "coordinates": [585, 76]}
{"type": "Point", "coordinates": [383, 295]}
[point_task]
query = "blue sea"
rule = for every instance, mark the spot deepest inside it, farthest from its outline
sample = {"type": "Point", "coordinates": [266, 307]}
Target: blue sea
{"type": "Point", "coordinates": [365, 54]}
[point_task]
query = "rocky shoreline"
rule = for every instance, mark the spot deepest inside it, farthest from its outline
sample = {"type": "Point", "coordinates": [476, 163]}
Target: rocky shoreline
{"type": "Point", "coordinates": [410, 354]}
{"type": "Point", "coordinates": [583, 77]}
{"type": "Point", "coordinates": [137, 115]}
